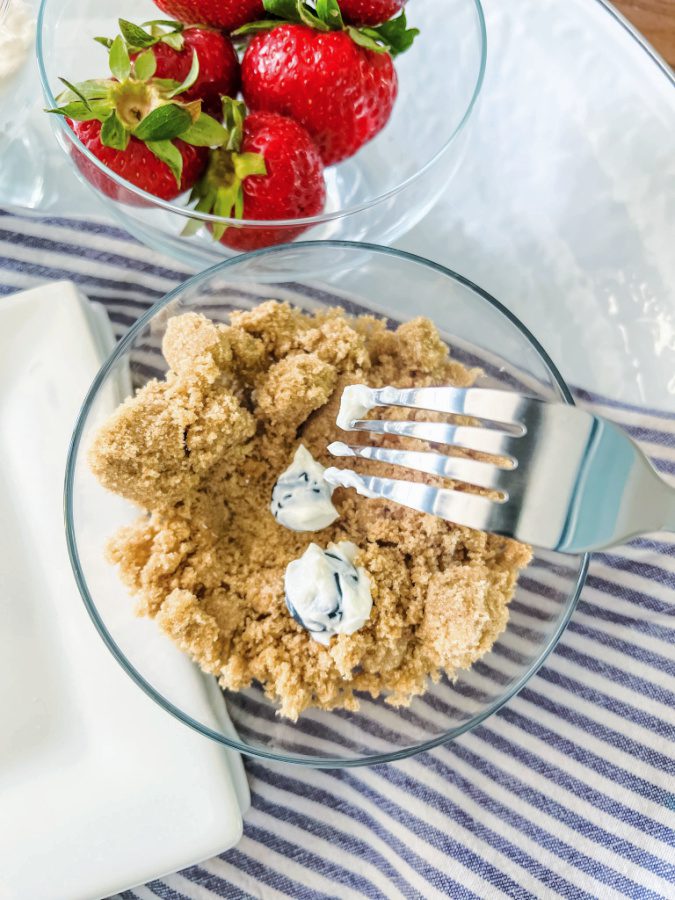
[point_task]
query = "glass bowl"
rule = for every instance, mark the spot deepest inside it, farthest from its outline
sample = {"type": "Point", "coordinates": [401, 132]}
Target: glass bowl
{"type": "Point", "coordinates": [313, 275]}
{"type": "Point", "coordinates": [378, 194]}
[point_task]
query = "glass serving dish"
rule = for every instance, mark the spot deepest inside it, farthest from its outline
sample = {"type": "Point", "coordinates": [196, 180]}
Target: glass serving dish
{"type": "Point", "coordinates": [22, 172]}
{"type": "Point", "coordinates": [362, 278]}
{"type": "Point", "coordinates": [378, 194]}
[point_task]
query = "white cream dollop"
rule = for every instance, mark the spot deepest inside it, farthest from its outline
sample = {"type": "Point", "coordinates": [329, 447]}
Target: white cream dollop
{"type": "Point", "coordinates": [346, 478]}
{"type": "Point", "coordinates": [17, 30]}
{"type": "Point", "coordinates": [355, 403]}
{"type": "Point", "coordinates": [301, 499]}
{"type": "Point", "coordinates": [326, 593]}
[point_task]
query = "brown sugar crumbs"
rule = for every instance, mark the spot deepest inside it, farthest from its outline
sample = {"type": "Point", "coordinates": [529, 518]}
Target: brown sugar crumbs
{"type": "Point", "coordinates": [200, 452]}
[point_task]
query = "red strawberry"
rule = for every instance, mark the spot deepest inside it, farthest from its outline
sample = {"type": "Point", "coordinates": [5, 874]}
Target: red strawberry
{"type": "Point", "coordinates": [136, 164]}
{"type": "Point", "coordinates": [370, 12]}
{"type": "Point", "coordinates": [276, 173]}
{"type": "Point", "coordinates": [174, 51]}
{"type": "Point", "coordinates": [137, 126]}
{"type": "Point", "coordinates": [336, 80]}
{"type": "Point", "coordinates": [224, 14]}
{"type": "Point", "coordinates": [342, 93]}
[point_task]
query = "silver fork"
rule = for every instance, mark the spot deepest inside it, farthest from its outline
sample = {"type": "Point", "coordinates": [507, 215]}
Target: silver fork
{"type": "Point", "coordinates": [570, 481]}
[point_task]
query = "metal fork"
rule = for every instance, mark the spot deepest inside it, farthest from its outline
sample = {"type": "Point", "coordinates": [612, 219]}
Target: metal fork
{"type": "Point", "coordinates": [569, 481]}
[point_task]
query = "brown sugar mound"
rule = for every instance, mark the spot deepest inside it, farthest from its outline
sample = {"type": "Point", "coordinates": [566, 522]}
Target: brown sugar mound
{"type": "Point", "coordinates": [201, 451]}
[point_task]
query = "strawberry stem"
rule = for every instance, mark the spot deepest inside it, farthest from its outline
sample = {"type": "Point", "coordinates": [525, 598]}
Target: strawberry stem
{"type": "Point", "coordinates": [393, 37]}
{"type": "Point", "coordinates": [234, 113]}
{"type": "Point", "coordinates": [135, 104]}
{"type": "Point", "coordinates": [221, 189]}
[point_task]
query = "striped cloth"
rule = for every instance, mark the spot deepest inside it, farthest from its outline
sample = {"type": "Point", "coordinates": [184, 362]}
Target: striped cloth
{"type": "Point", "coordinates": [567, 791]}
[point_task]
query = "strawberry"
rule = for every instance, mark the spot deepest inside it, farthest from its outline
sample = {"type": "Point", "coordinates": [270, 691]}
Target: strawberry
{"type": "Point", "coordinates": [336, 80]}
{"type": "Point", "coordinates": [272, 170]}
{"type": "Point", "coordinates": [224, 14]}
{"type": "Point", "coordinates": [342, 94]}
{"type": "Point", "coordinates": [370, 12]}
{"type": "Point", "coordinates": [137, 126]}
{"type": "Point", "coordinates": [137, 164]}
{"type": "Point", "coordinates": [173, 47]}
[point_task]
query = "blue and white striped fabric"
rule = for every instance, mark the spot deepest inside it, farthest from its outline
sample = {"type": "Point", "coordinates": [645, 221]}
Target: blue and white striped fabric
{"type": "Point", "coordinates": [568, 791]}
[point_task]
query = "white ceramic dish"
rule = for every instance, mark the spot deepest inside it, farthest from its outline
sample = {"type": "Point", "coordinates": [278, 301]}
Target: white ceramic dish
{"type": "Point", "coordinates": [100, 789]}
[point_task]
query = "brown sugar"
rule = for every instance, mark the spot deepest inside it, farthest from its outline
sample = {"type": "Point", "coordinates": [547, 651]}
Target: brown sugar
{"type": "Point", "coordinates": [201, 451]}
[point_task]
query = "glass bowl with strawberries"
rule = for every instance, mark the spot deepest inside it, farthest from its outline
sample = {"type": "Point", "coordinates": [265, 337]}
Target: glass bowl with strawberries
{"type": "Point", "coordinates": [267, 121]}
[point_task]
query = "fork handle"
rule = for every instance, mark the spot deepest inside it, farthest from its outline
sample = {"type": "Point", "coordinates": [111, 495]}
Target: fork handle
{"type": "Point", "coordinates": [647, 506]}
{"type": "Point", "coordinates": [669, 512]}
{"type": "Point", "coordinates": [663, 500]}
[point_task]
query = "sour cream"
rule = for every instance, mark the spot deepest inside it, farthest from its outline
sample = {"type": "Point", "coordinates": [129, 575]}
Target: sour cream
{"type": "Point", "coordinates": [301, 499]}
{"type": "Point", "coordinates": [326, 593]}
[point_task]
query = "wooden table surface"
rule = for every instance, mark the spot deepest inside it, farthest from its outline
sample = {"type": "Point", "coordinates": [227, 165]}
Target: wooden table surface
{"type": "Point", "coordinates": [656, 20]}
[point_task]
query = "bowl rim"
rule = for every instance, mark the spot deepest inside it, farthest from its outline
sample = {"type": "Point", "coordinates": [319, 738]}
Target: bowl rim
{"type": "Point", "coordinates": [308, 221]}
{"type": "Point", "coordinates": [73, 553]}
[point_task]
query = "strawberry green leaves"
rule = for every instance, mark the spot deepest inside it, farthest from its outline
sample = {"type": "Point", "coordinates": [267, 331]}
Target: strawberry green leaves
{"type": "Point", "coordinates": [392, 37]}
{"type": "Point", "coordinates": [285, 11]}
{"type": "Point", "coordinates": [137, 37]}
{"type": "Point", "coordinates": [113, 133]}
{"type": "Point", "coordinates": [220, 191]}
{"type": "Point", "coordinates": [325, 16]}
{"type": "Point", "coordinates": [84, 101]}
{"type": "Point", "coordinates": [94, 89]}
{"type": "Point", "coordinates": [74, 89]}
{"type": "Point", "coordinates": [171, 24]}
{"type": "Point", "coordinates": [173, 37]}
{"type": "Point", "coordinates": [246, 164]}
{"type": "Point", "coordinates": [164, 123]}
{"type": "Point", "coordinates": [145, 66]}
{"type": "Point", "coordinates": [82, 112]}
{"type": "Point", "coordinates": [234, 113]}
{"type": "Point", "coordinates": [118, 59]}
{"type": "Point", "coordinates": [133, 104]}
{"type": "Point", "coordinates": [205, 132]}
{"type": "Point", "coordinates": [169, 154]}
{"type": "Point", "coordinates": [189, 79]}
{"type": "Point", "coordinates": [329, 11]}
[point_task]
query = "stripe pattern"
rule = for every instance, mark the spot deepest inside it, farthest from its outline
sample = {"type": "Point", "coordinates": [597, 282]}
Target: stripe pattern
{"type": "Point", "coordinates": [567, 791]}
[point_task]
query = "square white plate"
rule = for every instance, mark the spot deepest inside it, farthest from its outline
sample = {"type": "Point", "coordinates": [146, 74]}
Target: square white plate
{"type": "Point", "coordinates": [100, 788]}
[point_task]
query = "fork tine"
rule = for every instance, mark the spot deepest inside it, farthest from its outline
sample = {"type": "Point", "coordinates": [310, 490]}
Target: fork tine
{"type": "Point", "coordinates": [505, 407]}
{"type": "Point", "coordinates": [454, 506]}
{"type": "Point", "coordinates": [469, 471]}
{"type": "Point", "coordinates": [483, 440]}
